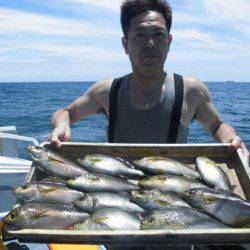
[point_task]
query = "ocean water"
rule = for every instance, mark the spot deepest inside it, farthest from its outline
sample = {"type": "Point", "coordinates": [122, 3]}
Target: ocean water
{"type": "Point", "coordinates": [29, 106]}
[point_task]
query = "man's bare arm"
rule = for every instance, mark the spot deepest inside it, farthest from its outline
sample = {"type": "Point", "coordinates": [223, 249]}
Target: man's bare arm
{"type": "Point", "coordinates": [207, 115]}
{"type": "Point", "coordinates": [94, 100]}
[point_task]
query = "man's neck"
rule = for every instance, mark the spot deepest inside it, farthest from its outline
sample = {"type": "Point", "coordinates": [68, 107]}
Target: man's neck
{"type": "Point", "coordinates": [147, 83]}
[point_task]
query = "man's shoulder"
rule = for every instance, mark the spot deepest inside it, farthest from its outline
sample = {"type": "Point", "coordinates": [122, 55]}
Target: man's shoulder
{"type": "Point", "coordinates": [104, 85]}
{"type": "Point", "coordinates": [193, 84]}
{"type": "Point", "coordinates": [195, 90]}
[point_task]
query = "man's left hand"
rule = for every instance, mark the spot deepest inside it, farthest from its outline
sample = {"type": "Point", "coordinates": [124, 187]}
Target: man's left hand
{"type": "Point", "coordinates": [237, 143]}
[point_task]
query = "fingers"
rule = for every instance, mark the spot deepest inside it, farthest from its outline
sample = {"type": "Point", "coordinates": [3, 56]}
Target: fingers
{"type": "Point", "coordinates": [237, 143]}
{"type": "Point", "coordinates": [66, 136]}
{"type": "Point", "coordinates": [55, 141]}
{"type": "Point", "coordinates": [245, 151]}
{"type": "Point", "coordinates": [234, 144]}
{"type": "Point", "coordinates": [58, 136]}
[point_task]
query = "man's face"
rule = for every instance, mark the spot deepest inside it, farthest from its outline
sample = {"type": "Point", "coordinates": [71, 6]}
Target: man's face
{"type": "Point", "coordinates": [147, 43]}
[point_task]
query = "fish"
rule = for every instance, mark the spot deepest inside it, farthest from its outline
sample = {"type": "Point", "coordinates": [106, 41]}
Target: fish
{"type": "Point", "coordinates": [179, 217]}
{"type": "Point", "coordinates": [156, 200]}
{"type": "Point", "coordinates": [47, 193]}
{"type": "Point", "coordinates": [115, 219]}
{"type": "Point", "coordinates": [52, 180]}
{"type": "Point", "coordinates": [108, 165]}
{"type": "Point", "coordinates": [54, 164]}
{"type": "Point", "coordinates": [89, 225]}
{"type": "Point", "coordinates": [92, 202]}
{"type": "Point", "coordinates": [98, 182]}
{"type": "Point", "coordinates": [223, 205]}
{"type": "Point", "coordinates": [212, 174]}
{"type": "Point", "coordinates": [42, 216]}
{"type": "Point", "coordinates": [172, 183]}
{"type": "Point", "coordinates": [157, 165]}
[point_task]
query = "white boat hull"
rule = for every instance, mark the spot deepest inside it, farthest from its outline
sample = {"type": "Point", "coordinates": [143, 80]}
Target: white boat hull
{"type": "Point", "coordinates": [12, 178]}
{"type": "Point", "coordinates": [13, 172]}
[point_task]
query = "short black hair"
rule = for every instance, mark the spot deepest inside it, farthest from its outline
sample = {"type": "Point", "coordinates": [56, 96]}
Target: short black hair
{"type": "Point", "coordinates": [131, 8]}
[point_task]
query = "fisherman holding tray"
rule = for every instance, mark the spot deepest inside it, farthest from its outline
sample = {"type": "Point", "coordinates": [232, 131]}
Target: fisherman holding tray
{"type": "Point", "coordinates": [147, 105]}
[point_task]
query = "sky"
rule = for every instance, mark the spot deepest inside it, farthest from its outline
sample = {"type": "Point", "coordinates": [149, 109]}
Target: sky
{"type": "Point", "coordinates": [80, 40]}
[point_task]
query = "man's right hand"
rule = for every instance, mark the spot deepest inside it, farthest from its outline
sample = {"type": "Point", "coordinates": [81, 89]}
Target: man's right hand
{"type": "Point", "coordinates": [60, 134]}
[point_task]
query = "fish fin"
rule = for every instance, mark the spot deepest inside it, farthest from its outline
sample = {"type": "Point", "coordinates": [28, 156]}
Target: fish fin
{"type": "Point", "coordinates": [55, 161]}
{"type": "Point", "coordinates": [95, 179]}
{"type": "Point", "coordinates": [100, 220]}
{"type": "Point", "coordinates": [162, 203]}
{"type": "Point", "coordinates": [127, 163]}
{"type": "Point", "coordinates": [53, 179]}
{"type": "Point", "coordinates": [42, 214]}
{"type": "Point", "coordinates": [46, 189]}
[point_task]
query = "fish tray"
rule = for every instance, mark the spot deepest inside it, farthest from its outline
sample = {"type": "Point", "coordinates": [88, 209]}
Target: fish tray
{"type": "Point", "coordinates": [233, 164]}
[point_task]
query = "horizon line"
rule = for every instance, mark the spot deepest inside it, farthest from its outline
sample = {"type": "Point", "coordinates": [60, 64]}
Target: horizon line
{"type": "Point", "coordinates": [90, 81]}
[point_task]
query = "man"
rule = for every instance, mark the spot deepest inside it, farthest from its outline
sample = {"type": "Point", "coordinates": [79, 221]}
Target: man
{"type": "Point", "coordinates": [144, 107]}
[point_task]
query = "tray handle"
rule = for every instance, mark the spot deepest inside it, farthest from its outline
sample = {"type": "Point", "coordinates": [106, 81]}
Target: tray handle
{"type": "Point", "coordinates": [19, 137]}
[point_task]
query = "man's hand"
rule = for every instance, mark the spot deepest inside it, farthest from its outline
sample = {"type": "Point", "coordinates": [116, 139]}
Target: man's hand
{"type": "Point", "coordinates": [60, 134]}
{"type": "Point", "coordinates": [237, 143]}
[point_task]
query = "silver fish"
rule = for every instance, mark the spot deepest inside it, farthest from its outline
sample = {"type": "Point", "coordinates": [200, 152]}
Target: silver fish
{"type": "Point", "coordinates": [156, 200]}
{"type": "Point", "coordinates": [55, 164]}
{"type": "Point", "coordinates": [225, 206]}
{"type": "Point", "coordinates": [52, 180]}
{"type": "Point", "coordinates": [47, 193]}
{"type": "Point", "coordinates": [98, 182]}
{"type": "Point", "coordinates": [40, 216]}
{"type": "Point", "coordinates": [176, 217]}
{"type": "Point", "coordinates": [89, 225]}
{"type": "Point", "coordinates": [212, 174]}
{"type": "Point", "coordinates": [158, 165]}
{"type": "Point", "coordinates": [96, 201]}
{"type": "Point", "coordinates": [104, 164]}
{"type": "Point", "coordinates": [172, 183]}
{"type": "Point", "coordinates": [115, 219]}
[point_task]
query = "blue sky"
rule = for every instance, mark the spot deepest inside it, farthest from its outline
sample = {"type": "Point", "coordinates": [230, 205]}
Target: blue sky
{"type": "Point", "coordinates": [80, 40]}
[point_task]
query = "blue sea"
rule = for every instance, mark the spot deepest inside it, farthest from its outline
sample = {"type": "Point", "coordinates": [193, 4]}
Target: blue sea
{"type": "Point", "coordinates": [29, 106]}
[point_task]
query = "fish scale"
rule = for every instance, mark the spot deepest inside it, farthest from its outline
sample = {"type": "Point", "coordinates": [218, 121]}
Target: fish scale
{"type": "Point", "coordinates": [99, 182]}
{"type": "Point", "coordinates": [177, 217]}
{"type": "Point", "coordinates": [157, 165]}
{"type": "Point", "coordinates": [104, 164]}
{"type": "Point", "coordinates": [212, 174]}
{"type": "Point", "coordinates": [55, 164]}
{"type": "Point", "coordinates": [173, 183]}
{"type": "Point", "coordinates": [225, 206]}
{"type": "Point", "coordinates": [43, 216]}
{"type": "Point", "coordinates": [47, 193]}
{"type": "Point", "coordinates": [96, 201]}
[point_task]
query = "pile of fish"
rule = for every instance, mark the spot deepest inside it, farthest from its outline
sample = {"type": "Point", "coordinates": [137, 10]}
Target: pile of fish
{"type": "Point", "coordinates": [99, 192]}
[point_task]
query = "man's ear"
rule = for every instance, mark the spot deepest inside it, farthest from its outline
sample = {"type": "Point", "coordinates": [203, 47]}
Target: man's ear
{"type": "Point", "coordinates": [170, 38]}
{"type": "Point", "coordinates": [125, 44]}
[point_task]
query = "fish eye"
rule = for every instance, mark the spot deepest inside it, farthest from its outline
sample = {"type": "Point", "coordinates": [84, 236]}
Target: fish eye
{"type": "Point", "coordinates": [13, 215]}
{"type": "Point", "coordinates": [150, 219]}
{"type": "Point", "coordinates": [192, 192]}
